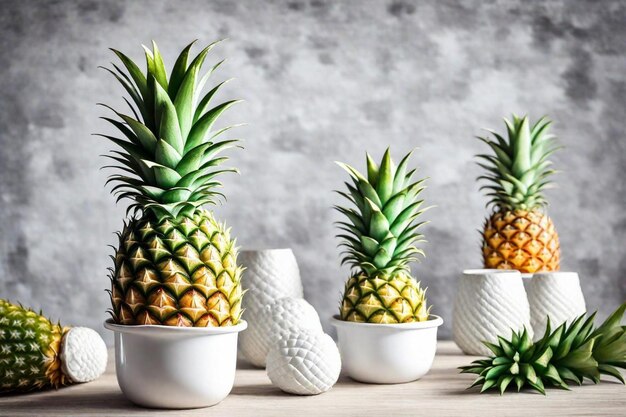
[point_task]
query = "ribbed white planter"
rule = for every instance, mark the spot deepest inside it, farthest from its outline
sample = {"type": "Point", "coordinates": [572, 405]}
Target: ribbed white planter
{"type": "Point", "coordinates": [270, 274]}
{"type": "Point", "coordinates": [489, 303]}
{"type": "Point", "coordinates": [554, 294]}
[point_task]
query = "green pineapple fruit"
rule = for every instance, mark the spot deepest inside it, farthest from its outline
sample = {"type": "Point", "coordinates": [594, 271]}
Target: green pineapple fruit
{"type": "Point", "coordinates": [175, 264]}
{"type": "Point", "coordinates": [379, 236]}
{"type": "Point", "coordinates": [570, 353]}
{"type": "Point", "coordinates": [36, 353]}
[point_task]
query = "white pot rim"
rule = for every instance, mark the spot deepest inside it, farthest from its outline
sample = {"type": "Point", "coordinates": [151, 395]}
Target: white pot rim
{"type": "Point", "coordinates": [544, 273]}
{"type": "Point", "coordinates": [433, 321]}
{"type": "Point", "coordinates": [159, 329]}
{"type": "Point", "coordinates": [479, 271]}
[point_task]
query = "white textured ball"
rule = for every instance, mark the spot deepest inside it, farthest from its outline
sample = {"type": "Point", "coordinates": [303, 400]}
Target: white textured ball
{"type": "Point", "coordinates": [274, 321]}
{"type": "Point", "coordinates": [83, 354]}
{"type": "Point", "coordinates": [304, 363]}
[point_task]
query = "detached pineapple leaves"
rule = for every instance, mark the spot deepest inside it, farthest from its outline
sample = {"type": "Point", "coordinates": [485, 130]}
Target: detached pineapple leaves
{"type": "Point", "coordinates": [571, 353]}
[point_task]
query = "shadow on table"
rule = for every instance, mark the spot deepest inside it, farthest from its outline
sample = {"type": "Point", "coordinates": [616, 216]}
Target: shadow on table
{"type": "Point", "coordinates": [261, 390]}
{"type": "Point", "coordinates": [41, 404]}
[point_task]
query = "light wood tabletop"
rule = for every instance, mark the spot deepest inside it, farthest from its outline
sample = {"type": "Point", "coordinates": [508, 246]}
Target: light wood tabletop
{"type": "Point", "coordinates": [440, 393]}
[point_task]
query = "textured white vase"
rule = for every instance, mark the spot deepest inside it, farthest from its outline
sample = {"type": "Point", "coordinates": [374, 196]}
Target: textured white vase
{"type": "Point", "coordinates": [489, 303]}
{"type": "Point", "coordinates": [274, 321]}
{"type": "Point", "coordinates": [554, 294]}
{"type": "Point", "coordinates": [270, 274]}
{"type": "Point", "coordinates": [304, 363]}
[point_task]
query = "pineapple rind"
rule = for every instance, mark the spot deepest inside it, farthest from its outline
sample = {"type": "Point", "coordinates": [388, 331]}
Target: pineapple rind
{"type": "Point", "coordinates": [395, 299]}
{"type": "Point", "coordinates": [176, 272]}
{"type": "Point", "coordinates": [522, 240]}
{"type": "Point", "coordinates": [30, 347]}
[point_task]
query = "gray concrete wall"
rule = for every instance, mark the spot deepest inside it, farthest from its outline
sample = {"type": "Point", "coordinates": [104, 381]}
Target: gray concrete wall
{"type": "Point", "coordinates": [323, 81]}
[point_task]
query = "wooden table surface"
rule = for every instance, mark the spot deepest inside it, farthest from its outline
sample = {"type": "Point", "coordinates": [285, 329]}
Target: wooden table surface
{"type": "Point", "coordinates": [440, 393]}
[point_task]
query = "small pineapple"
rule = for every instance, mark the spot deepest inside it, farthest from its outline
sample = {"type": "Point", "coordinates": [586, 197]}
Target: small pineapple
{"type": "Point", "coordinates": [36, 353]}
{"type": "Point", "coordinates": [571, 353]}
{"type": "Point", "coordinates": [519, 234]}
{"type": "Point", "coordinates": [175, 264]}
{"type": "Point", "coordinates": [380, 237]}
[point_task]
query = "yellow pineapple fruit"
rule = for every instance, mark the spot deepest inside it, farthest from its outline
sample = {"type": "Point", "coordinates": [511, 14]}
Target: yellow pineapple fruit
{"type": "Point", "coordinates": [519, 234]}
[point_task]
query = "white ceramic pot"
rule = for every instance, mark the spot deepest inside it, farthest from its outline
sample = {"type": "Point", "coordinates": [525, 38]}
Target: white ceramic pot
{"type": "Point", "coordinates": [175, 367]}
{"type": "Point", "coordinates": [489, 303]}
{"type": "Point", "coordinates": [387, 353]}
{"type": "Point", "coordinates": [270, 274]}
{"type": "Point", "coordinates": [554, 294]}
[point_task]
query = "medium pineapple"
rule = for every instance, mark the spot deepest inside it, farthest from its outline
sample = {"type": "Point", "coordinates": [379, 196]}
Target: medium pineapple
{"type": "Point", "coordinates": [379, 236]}
{"type": "Point", "coordinates": [519, 234]}
{"type": "Point", "coordinates": [175, 264]}
{"type": "Point", "coordinates": [36, 353]}
{"type": "Point", "coordinates": [571, 353]}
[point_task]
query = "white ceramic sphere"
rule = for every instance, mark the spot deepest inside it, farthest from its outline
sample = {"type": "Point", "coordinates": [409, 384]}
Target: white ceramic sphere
{"type": "Point", "coordinates": [304, 363]}
{"type": "Point", "coordinates": [274, 321]}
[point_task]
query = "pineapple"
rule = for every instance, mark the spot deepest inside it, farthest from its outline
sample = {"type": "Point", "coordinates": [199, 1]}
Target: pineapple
{"type": "Point", "coordinates": [36, 353]}
{"type": "Point", "coordinates": [379, 236]}
{"type": "Point", "coordinates": [175, 264]}
{"type": "Point", "coordinates": [519, 234]}
{"type": "Point", "coordinates": [570, 353]}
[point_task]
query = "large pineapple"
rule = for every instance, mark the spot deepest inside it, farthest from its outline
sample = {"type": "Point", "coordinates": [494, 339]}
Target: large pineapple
{"type": "Point", "coordinates": [175, 264]}
{"type": "Point", "coordinates": [519, 234]}
{"type": "Point", "coordinates": [379, 236]}
{"type": "Point", "coordinates": [36, 353]}
{"type": "Point", "coordinates": [571, 353]}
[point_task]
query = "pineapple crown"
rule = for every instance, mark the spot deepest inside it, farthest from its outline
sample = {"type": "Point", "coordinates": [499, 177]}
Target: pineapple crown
{"type": "Point", "coordinates": [169, 154]}
{"type": "Point", "coordinates": [380, 232]}
{"type": "Point", "coordinates": [518, 171]}
{"type": "Point", "coordinates": [570, 353]}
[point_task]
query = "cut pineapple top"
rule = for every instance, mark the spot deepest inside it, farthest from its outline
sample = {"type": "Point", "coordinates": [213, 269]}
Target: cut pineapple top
{"type": "Point", "coordinates": [169, 155]}
{"type": "Point", "coordinates": [518, 171]}
{"type": "Point", "coordinates": [380, 231]}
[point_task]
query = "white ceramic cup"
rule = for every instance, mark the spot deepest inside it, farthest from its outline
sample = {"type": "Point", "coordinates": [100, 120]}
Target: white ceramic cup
{"type": "Point", "coordinates": [175, 367]}
{"type": "Point", "coordinates": [489, 303]}
{"type": "Point", "coordinates": [557, 295]}
{"type": "Point", "coordinates": [387, 353]}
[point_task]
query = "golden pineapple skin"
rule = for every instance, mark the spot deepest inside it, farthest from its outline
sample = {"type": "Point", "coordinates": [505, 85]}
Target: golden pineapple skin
{"type": "Point", "coordinates": [177, 272]}
{"type": "Point", "coordinates": [384, 299]}
{"type": "Point", "coordinates": [523, 240]}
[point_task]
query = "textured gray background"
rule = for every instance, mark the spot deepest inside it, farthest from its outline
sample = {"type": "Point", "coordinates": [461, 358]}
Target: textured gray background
{"type": "Point", "coordinates": [322, 81]}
